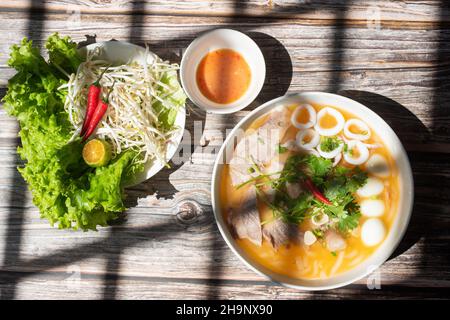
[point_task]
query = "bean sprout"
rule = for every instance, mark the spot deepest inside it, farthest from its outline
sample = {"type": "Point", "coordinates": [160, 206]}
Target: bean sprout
{"type": "Point", "coordinates": [140, 97]}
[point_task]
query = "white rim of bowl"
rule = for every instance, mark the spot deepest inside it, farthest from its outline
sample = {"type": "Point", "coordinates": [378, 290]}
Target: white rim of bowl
{"type": "Point", "coordinates": [409, 189]}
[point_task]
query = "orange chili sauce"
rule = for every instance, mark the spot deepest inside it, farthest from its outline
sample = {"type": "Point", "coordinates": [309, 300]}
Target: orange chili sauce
{"type": "Point", "coordinates": [223, 76]}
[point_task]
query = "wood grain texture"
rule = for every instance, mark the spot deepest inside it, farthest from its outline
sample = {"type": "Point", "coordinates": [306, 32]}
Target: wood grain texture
{"type": "Point", "coordinates": [409, 11]}
{"type": "Point", "coordinates": [400, 70]}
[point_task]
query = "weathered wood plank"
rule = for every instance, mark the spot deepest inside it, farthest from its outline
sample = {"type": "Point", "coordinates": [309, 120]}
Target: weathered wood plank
{"type": "Point", "coordinates": [153, 241]}
{"type": "Point", "coordinates": [67, 286]}
{"type": "Point", "coordinates": [321, 9]}
{"type": "Point", "coordinates": [169, 250]}
{"type": "Point", "coordinates": [390, 62]}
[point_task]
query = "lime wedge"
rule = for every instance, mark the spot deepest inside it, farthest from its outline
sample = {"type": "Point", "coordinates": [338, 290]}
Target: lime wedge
{"type": "Point", "coordinates": [97, 153]}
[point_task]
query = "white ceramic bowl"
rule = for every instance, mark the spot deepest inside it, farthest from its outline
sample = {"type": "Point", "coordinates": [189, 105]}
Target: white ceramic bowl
{"type": "Point", "coordinates": [123, 52]}
{"type": "Point", "coordinates": [222, 39]}
{"type": "Point", "coordinates": [406, 190]}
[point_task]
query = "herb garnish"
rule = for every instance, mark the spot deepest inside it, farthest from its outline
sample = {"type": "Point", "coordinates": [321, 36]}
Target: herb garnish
{"type": "Point", "coordinates": [281, 149]}
{"type": "Point", "coordinates": [338, 184]}
{"type": "Point", "coordinates": [318, 233]}
{"type": "Point", "coordinates": [329, 144]}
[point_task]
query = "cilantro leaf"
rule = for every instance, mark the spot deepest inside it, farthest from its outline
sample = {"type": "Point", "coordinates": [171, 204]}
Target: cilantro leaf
{"type": "Point", "coordinates": [281, 149]}
{"type": "Point", "coordinates": [338, 184]}
{"type": "Point", "coordinates": [318, 166]}
{"type": "Point", "coordinates": [330, 143]}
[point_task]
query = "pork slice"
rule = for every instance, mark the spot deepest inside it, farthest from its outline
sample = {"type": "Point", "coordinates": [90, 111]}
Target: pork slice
{"type": "Point", "coordinates": [275, 166]}
{"type": "Point", "coordinates": [258, 147]}
{"type": "Point", "coordinates": [276, 232]}
{"type": "Point", "coordinates": [279, 233]}
{"type": "Point", "coordinates": [239, 169]}
{"type": "Point", "coordinates": [250, 150]}
{"type": "Point", "coordinates": [270, 135]}
{"type": "Point", "coordinates": [245, 222]}
{"type": "Point", "coordinates": [293, 189]}
{"type": "Point", "coordinates": [242, 160]}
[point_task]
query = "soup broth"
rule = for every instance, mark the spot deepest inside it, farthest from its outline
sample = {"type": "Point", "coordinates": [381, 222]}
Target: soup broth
{"type": "Point", "coordinates": [295, 258]}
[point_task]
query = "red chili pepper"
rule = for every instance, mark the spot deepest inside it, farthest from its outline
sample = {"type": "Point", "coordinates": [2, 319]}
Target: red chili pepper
{"type": "Point", "coordinates": [97, 116]}
{"type": "Point", "coordinates": [316, 192]}
{"type": "Point", "coordinates": [92, 102]}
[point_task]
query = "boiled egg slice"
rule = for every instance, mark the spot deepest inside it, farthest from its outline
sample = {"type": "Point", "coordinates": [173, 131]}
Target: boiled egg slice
{"type": "Point", "coordinates": [378, 165]}
{"type": "Point", "coordinates": [329, 122]}
{"type": "Point", "coordinates": [357, 153]}
{"type": "Point", "coordinates": [304, 117]}
{"type": "Point", "coordinates": [307, 139]}
{"type": "Point", "coordinates": [372, 207]}
{"type": "Point", "coordinates": [320, 219]}
{"type": "Point", "coordinates": [373, 187]}
{"type": "Point", "coordinates": [356, 129]}
{"type": "Point", "coordinates": [373, 232]}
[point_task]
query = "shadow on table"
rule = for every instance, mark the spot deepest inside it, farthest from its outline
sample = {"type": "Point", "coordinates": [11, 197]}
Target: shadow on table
{"type": "Point", "coordinates": [278, 67]}
{"type": "Point", "coordinates": [19, 195]}
{"type": "Point", "coordinates": [278, 73]}
{"type": "Point", "coordinates": [159, 186]}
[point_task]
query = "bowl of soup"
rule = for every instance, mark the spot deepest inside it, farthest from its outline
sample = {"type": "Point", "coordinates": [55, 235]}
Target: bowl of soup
{"type": "Point", "coordinates": [222, 71]}
{"type": "Point", "coordinates": [312, 190]}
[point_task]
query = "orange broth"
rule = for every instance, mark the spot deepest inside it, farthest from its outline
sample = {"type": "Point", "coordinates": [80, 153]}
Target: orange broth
{"type": "Point", "coordinates": [315, 261]}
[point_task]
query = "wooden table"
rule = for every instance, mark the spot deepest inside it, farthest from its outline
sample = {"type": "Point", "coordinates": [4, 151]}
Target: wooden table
{"type": "Point", "coordinates": [394, 56]}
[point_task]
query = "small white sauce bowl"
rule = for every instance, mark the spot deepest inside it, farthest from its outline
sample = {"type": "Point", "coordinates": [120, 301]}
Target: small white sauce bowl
{"type": "Point", "coordinates": [212, 41]}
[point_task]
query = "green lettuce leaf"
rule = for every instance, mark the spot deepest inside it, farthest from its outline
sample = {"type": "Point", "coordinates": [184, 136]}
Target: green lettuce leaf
{"type": "Point", "coordinates": [63, 53]}
{"type": "Point", "coordinates": [167, 112]}
{"type": "Point", "coordinates": [66, 191]}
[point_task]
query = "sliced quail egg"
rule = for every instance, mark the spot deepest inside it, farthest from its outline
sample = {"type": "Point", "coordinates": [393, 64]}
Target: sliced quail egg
{"type": "Point", "coordinates": [304, 117]}
{"type": "Point", "coordinates": [373, 232]}
{"type": "Point", "coordinates": [373, 187]}
{"type": "Point", "coordinates": [320, 219]}
{"type": "Point", "coordinates": [357, 130]}
{"type": "Point", "coordinates": [329, 122]}
{"type": "Point", "coordinates": [357, 153]}
{"type": "Point", "coordinates": [307, 139]}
